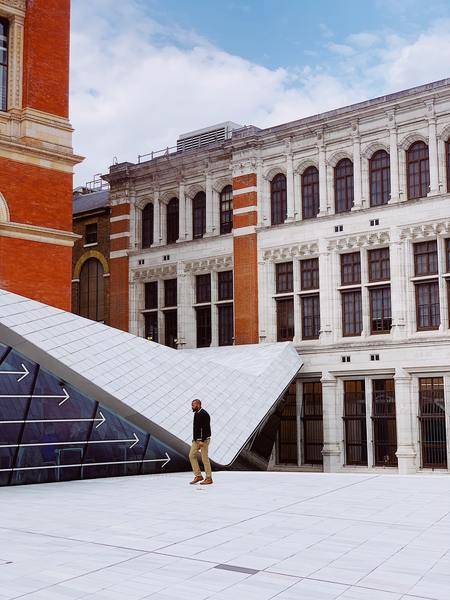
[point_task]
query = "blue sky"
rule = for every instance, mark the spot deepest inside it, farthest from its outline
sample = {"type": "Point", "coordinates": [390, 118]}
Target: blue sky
{"type": "Point", "coordinates": [144, 71]}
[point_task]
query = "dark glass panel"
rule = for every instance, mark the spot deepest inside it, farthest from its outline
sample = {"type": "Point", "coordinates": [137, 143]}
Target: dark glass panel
{"type": "Point", "coordinates": [380, 178]}
{"type": "Point", "coordinates": [432, 422]}
{"type": "Point", "coordinates": [351, 313]}
{"type": "Point", "coordinates": [147, 226]}
{"type": "Point", "coordinates": [203, 288]}
{"type": "Point", "coordinates": [380, 309]}
{"type": "Point", "coordinates": [285, 320]}
{"type": "Point", "coordinates": [427, 306]}
{"type": "Point", "coordinates": [151, 295]}
{"type": "Point", "coordinates": [203, 326]}
{"type": "Point", "coordinates": [343, 185]}
{"type": "Point", "coordinates": [309, 274]}
{"type": "Point", "coordinates": [350, 268]}
{"type": "Point", "coordinates": [199, 215]}
{"type": "Point", "coordinates": [4, 32]}
{"type": "Point", "coordinates": [90, 233]}
{"type": "Point", "coordinates": [384, 423]}
{"type": "Point", "coordinates": [172, 220]}
{"type": "Point", "coordinates": [425, 258]}
{"type": "Point", "coordinates": [310, 317]}
{"type": "Point", "coordinates": [418, 170]}
{"type": "Point", "coordinates": [170, 328]}
{"type": "Point", "coordinates": [226, 325]}
{"type": "Point", "coordinates": [226, 209]}
{"type": "Point", "coordinates": [355, 422]}
{"type": "Point", "coordinates": [379, 264]}
{"type": "Point", "coordinates": [287, 433]}
{"type": "Point", "coordinates": [312, 419]}
{"type": "Point", "coordinates": [310, 193]}
{"type": "Point", "coordinates": [92, 298]}
{"type": "Point", "coordinates": [151, 326]}
{"type": "Point", "coordinates": [225, 285]}
{"type": "Point", "coordinates": [170, 292]}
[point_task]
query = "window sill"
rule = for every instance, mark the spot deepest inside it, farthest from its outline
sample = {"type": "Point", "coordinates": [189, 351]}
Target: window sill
{"type": "Point", "coordinates": [91, 245]}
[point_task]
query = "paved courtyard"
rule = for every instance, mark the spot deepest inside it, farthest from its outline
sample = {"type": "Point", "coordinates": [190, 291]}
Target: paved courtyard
{"type": "Point", "coordinates": [251, 536]}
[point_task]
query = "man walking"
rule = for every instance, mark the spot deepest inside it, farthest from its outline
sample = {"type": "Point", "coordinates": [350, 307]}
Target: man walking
{"type": "Point", "coordinates": [200, 441]}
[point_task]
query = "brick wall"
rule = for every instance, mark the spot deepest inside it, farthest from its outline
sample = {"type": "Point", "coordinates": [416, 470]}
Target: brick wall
{"type": "Point", "coordinates": [46, 56]}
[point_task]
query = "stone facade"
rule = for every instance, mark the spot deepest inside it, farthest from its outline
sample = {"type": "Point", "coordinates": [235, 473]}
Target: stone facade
{"type": "Point", "coordinates": [36, 155]}
{"type": "Point", "coordinates": [409, 357]}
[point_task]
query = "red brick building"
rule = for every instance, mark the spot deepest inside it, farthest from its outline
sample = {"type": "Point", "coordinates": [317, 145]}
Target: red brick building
{"type": "Point", "coordinates": [36, 155]}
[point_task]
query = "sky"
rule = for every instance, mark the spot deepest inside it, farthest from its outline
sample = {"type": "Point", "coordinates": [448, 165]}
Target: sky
{"type": "Point", "coordinates": [145, 71]}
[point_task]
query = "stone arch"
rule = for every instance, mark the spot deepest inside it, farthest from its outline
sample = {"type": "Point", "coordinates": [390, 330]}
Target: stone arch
{"type": "Point", "coordinates": [4, 210]}
{"type": "Point", "coordinates": [219, 184]}
{"type": "Point", "coordinates": [272, 171]}
{"type": "Point", "coordinates": [305, 164]}
{"type": "Point", "coordinates": [167, 196]}
{"type": "Point", "coordinates": [86, 256]}
{"type": "Point", "coordinates": [337, 156]}
{"type": "Point", "coordinates": [409, 139]}
{"type": "Point", "coordinates": [194, 189]}
{"type": "Point", "coordinates": [445, 133]}
{"type": "Point", "coordinates": [373, 147]}
{"type": "Point", "coordinates": [141, 203]}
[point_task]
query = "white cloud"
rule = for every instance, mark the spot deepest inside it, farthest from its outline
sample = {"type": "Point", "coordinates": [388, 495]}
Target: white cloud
{"type": "Point", "coordinates": [136, 85]}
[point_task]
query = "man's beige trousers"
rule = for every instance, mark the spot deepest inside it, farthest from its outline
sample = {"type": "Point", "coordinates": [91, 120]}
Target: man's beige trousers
{"type": "Point", "coordinates": [205, 460]}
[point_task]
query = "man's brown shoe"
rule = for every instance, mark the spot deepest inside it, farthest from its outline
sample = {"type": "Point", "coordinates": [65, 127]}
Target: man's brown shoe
{"type": "Point", "coordinates": [207, 481]}
{"type": "Point", "coordinates": [196, 479]}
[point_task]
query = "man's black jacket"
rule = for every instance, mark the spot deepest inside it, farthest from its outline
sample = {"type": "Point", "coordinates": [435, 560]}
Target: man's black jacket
{"type": "Point", "coordinates": [202, 427]}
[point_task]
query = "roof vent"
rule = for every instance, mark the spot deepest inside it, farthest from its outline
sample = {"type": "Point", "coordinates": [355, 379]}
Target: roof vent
{"type": "Point", "coordinates": [208, 135]}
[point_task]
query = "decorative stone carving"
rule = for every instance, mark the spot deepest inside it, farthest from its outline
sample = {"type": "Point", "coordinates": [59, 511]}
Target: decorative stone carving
{"type": "Point", "coordinates": [377, 238]}
{"type": "Point", "coordinates": [293, 251]}
{"type": "Point", "coordinates": [217, 263]}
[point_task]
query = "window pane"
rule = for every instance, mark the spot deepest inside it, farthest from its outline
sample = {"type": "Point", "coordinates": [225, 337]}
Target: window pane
{"type": "Point", "coordinates": [309, 274]}
{"type": "Point", "coordinates": [355, 422]}
{"type": "Point", "coordinates": [203, 326]}
{"type": "Point", "coordinates": [147, 226]}
{"type": "Point", "coordinates": [4, 31]}
{"type": "Point", "coordinates": [379, 264]}
{"type": "Point", "coordinates": [199, 215]}
{"type": "Point", "coordinates": [170, 292]}
{"type": "Point", "coordinates": [151, 295]}
{"type": "Point", "coordinates": [151, 326]}
{"type": "Point", "coordinates": [310, 193]}
{"type": "Point", "coordinates": [285, 320]}
{"type": "Point", "coordinates": [418, 170]}
{"type": "Point", "coordinates": [343, 185]}
{"type": "Point", "coordinates": [278, 199]}
{"type": "Point", "coordinates": [91, 290]}
{"type": "Point", "coordinates": [284, 277]}
{"type": "Point", "coordinates": [225, 284]}
{"type": "Point", "coordinates": [226, 210]}
{"type": "Point", "coordinates": [350, 268]}
{"type": "Point", "coordinates": [380, 309]}
{"type": "Point", "coordinates": [172, 221]}
{"type": "Point", "coordinates": [380, 178]}
{"type": "Point", "coordinates": [425, 258]}
{"type": "Point", "coordinates": [351, 313]}
{"type": "Point", "coordinates": [384, 423]}
{"type": "Point", "coordinates": [90, 233]}
{"type": "Point", "coordinates": [170, 328]}
{"type": "Point", "coordinates": [312, 421]}
{"type": "Point", "coordinates": [310, 317]}
{"type": "Point", "coordinates": [203, 286]}
{"type": "Point", "coordinates": [432, 422]}
{"type": "Point", "coordinates": [427, 305]}
{"type": "Point", "coordinates": [226, 329]}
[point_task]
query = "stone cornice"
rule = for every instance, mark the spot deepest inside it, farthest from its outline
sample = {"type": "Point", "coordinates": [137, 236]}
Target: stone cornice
{"type": "Point", "coordinates": [376, 238]}
{"type": "Point", "coordinates": [425, 230]}
{"type": "Point", "coordinates": [15, 7]}
{"type": "Point", "coordinates": [35, 233]}
{"type": "Point", "coordinates": [206, 265]}
{"type": "Point", "coordinates": [147, 273]}
{"type": "Point", "coordinates": [292, 251]}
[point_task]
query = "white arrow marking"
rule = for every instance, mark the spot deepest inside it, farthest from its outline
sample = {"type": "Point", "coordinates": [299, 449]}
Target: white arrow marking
{"type": "Point", "coordinates": [101, 464]}
{"type": "Point", "coordinates": [62, 398]}
{"type": "Point", "coordinates": [100, 420]}
{"type": "Point", "coordinates": [23, 373]}
{"type": "Point", "coordinates": [135, 440]}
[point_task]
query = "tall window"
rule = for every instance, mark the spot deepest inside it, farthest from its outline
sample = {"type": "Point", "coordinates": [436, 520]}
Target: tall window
{"type": "Point", "coordinates": [425, 258]}
{"type": "Point", "coordinates": [355, 422]}
{"type": "Point", "coordinates": [170, 328]}
{"type": "Point", "coordinates": [351, 313]}
{"type": "Point", "coordinates": [226, 329]}
{"type": "Point", "coordinates": [384, 423]}
{"type": "Point", "coordinates": [90, 233]}
{"type": "Point", "coordinates": [151, 295]}
{"type": "Point", "coordinates": [379, 264]}
{"type": "Point", "coordinates": [310, 193]}
{"type": "Point", "coordinates": [433, 436]}
{"type": "Point", "coordinates": [170, 292]}
{"type": "Point", "coordinates": [427, 306]}
{"type": "Point", "coordinates": [418, 170]}
{"type": "Point", "coordinates": [310, 317]}
{"type": "Point", "coordinates": [287, 434]}
{"type": "Point", "coordinates": [226, 209]}
{"type": "Point", "coordinates": [225, 285]}
{"type": "Point", "coordinates": [380, 309]}
{"type": "Point", "coordinates": [278, 199]}
{"type": "Point", "coordinates": [380, 178]}
{"type": "Point", "coordinates": [284, 277]}
{"type": "Point", "coordinates": [92, 300]}
{"type": "Point", "coordinates": [203, 326]}
{"type": "Point", "coordinates": [312, 420]}
{"type": "Point", "coordinates": [285, 319]}
{"type": "Point", "coordinates": [151, 326]}
{"type": "Point", "coordinates": [199, 215]}
{"type": "Point", "coordinates": [350, 268]}
{"type": "Point", "coordinates": [309, 274]}
{"type": "Point", "coordinates": [173, 230]}
{"type": "Point", "coordinates": [343, 185]}
{"type": "Point", "coordinates": [147, 226]}
{"type": "Point", "coordinates": [203, 288]}
{"type": "Point", "coordinates": [4, 30]}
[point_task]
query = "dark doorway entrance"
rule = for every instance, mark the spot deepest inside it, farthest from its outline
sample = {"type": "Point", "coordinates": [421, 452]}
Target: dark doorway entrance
{"type": "Point", "coordinates": [312, 420]}
{"type": "Point", "coordinates": [384, 423]}
{"type": "Point", "coordinates": [355, 422]}
{"type": "Point", "coordinates": [432, 422]}
{"type": "Point", "coordinates": [287, 452]}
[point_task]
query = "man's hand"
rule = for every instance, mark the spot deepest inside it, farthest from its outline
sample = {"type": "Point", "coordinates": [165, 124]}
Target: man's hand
{"type": "Point", "coordinates": [200, 444]}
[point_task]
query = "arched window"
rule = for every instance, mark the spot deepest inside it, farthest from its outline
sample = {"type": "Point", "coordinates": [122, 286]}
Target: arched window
{"type": "Point", "coordinates": [278, 199]}
{"type": "Point", "coordinates": [343, 185]}
{"type": "Point", "coordinates": [147, 226]}
{"type": "Point", "coordinates": [380, 178]}
{"type": "Point", "coordinates": [4, 31]}
{"type": "Point", "coordinates": [173, 228]}
{"type": "Point", "coordinates": [418, 170]}
{"type": "Point", "coordinates": [199, 215]}
{"type": "Point", "coordinates": [310, 193]}
{"type": "Point", "coordinates": [447, 162]}
{"type": "Point", "coordinates": [91, 290]}
{"type": "Point", "coordinates": [226, 209]}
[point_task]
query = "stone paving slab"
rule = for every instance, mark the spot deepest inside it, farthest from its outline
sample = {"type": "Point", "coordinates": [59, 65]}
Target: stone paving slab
{"type": "Point", "coordinates": [250, 536]}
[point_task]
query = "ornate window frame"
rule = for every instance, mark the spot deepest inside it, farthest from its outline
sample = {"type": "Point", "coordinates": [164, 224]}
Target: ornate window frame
{"type": "Point", "coordinates": [14, 11]}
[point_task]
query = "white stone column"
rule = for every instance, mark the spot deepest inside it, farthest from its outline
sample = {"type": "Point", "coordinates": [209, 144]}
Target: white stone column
{"type": "Point", "coordinates": [443, 296]}
{"type": "Point", "coordinates": [393, 159]}
{"type": "Point", "coordinates": [398, 285]}
{"type": "Point", "coordinates": [216, 211]}
{"type": "Point", "coordinates": [135, 306]}
{"type": "Point", "coordinates": [368, 393]}
{"type": "Point", "coordinates": [263, 300]}
{"type": "Point", "coordinates": [271, 321]}
{"type": "Point", "coordinates": [290, 188]}
{"type": "Point", "coordinates": [332, 453]}
{"type": "Point", "coordinates": [433, 155]}
{"type": "Point", "coordinates": [365, 300]}
{"type": "Point", "coordinates": [260, 191]}
{"type": "Point", "coordinates": [181, 213]}
{"type": "Point", "coordinates": [188, 216]}
{"type": "Point", "coordinates": [323, 183]}
{"type": "Point", "coordinates": [297, 196]}
{"type": "Point", "coordinates": [357, 199]}
{"type": "Point", "coordinates": [209, 205]}
{"type": "Point", "coordinates": [406, 451]}
{"type": "Point", "coordinates": [156, 219]}
{"type": "Point", "coordinates": [297, 301]}
{"type": "Point", "coordinates": [326, 293]}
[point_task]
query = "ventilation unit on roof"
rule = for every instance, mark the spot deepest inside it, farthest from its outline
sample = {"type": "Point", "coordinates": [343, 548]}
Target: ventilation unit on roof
{"type": "Point", "coordinates": [208, 135]}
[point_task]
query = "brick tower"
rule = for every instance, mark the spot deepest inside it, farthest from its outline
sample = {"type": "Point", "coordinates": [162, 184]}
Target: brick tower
{"type": "Point", "coordinates": [36, 155]}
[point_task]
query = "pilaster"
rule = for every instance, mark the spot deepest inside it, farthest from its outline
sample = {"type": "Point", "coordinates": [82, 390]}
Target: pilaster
{"type": "Point", "coordinates": [332, 453]}
{"type": "Point", "coordinates": [406, 451]}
